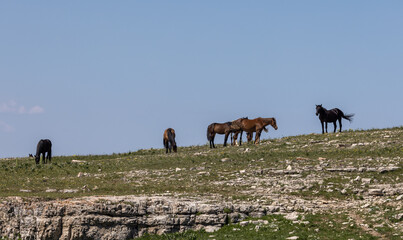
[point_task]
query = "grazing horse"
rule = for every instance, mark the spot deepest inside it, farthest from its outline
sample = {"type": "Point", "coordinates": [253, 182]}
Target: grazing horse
{"type": "Point", "coordinates": [331, 115]}
{"type": "Point", "coordinates": [223, 128]}
{"type": "Point", "coordinates": [169, 140]}
{"type": "Point", "coordinates": [44, 146]}
{"type": "Point", "coordinates": [257, 125]}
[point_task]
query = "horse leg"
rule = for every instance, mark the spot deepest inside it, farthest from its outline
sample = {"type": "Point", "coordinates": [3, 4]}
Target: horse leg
{"type": "Point", "coordinates": [212, 144]}
{"type": "Point", "coordinates": [165, 145]}
{"type": "Point", "coordinates": [323, 131]}
{"type": "Point", "coordinates": [340, 123]}
{"type": "Point", "coordinates": [335, 126]}
{"type": "Point", "coordinates": [234, 139]}
{"type": "Point", "coordinates": [257, 138]}
{"type": "Point", "coordinates": [240, 138]}
{"type": "Point", "coordinates": [249, 136]}
{"type": "Point", "coordinates": [230, 139]}
{"type": "Point", "coordinates": [326, 126]}
{"type": "Point", "coordinates": [226, 138]}
{"type": "Point", "coordinates": [50, 156]}
{"type": "Point", "coordinates": [212, 139]}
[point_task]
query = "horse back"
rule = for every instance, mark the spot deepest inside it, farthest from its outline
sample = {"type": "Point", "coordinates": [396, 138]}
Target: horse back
{"type": "Point", "coordinates": [172, 132]}
{"type": "Point", "coordinates": [220, 128]}
{"type": "Point", "coordinates": [44, 145]}
{"type": "Point", "coordinates": [250, 124]}
{"type": "Point", "coordinates": [337, 112]}
{"type": "Point", "coordinates": [168, 132]}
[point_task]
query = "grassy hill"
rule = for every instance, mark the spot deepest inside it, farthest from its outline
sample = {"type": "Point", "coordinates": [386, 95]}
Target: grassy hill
{"type": "Point", "coordinates": [353, 168]}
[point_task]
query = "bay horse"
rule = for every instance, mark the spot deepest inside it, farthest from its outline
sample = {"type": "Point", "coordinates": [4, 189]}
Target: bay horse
{"type": "Point", "coordinates": [331, 115]}
{"type": "Point", "coordinates": [169, 140]}
{"type": "Point", "coordinates": [222, 128]}
{"type": "Point", "coordinates": [44, 146]}
{"type": "Point", "coordinates": [257, 125]}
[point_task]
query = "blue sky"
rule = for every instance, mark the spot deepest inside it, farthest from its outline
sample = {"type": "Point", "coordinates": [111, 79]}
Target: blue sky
{"type": "Point", "coordinates": [99, 77]}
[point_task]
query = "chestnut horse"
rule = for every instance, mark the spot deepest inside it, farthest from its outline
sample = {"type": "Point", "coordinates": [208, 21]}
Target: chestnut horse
{"type": "Point", "coordinates": [169, 140]}
{"type": "Point", "coordinates": [331, 115]}
{"type": "Point", "coordinates": [257, 125]}
{"type": "Point", "coordinates": [249, 136]}
{"type": "Point", "coordinates": [223, 128]}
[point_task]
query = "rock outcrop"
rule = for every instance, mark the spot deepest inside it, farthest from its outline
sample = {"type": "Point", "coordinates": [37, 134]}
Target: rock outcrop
{"type": "Point", "coordinates": [115, 217]}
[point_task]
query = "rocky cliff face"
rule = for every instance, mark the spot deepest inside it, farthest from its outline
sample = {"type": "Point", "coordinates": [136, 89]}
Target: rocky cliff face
{"type": "Point", "coordinates": [115, 217]}
{"type": "Point", "coordinates": [127, 217]}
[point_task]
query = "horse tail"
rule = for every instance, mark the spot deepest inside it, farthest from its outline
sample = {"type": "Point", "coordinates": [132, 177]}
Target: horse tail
{"type": "Point", "coordinates": [349, 117]}
{"type": "Point", "coordinates": [171, 138]}
{"type": "Point", "coordinates": [210, 131]}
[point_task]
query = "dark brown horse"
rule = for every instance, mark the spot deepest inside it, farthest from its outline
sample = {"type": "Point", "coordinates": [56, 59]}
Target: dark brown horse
{"type": "Point", "coordinates": [169, 140]}
{"type": "Point", "coordinates": [257, 125]}
{"type": "Point", "coordinates": [44, 146]}
{"type": "Point", "coordinates": [223, 128]}
{"type": "Point", "coordinates": [331, 115]}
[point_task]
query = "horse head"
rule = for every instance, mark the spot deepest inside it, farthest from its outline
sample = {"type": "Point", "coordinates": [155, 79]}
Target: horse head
{"type": "Point", "coordinates": [274, 124]}
{"type": "Point", "coordinates": [38, 158]}
{"type": "Point", "coordinates": [318, 109]}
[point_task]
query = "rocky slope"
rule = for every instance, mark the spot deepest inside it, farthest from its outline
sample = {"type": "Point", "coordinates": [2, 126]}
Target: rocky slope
{"type": "Point", "coordinates": [357, 174]}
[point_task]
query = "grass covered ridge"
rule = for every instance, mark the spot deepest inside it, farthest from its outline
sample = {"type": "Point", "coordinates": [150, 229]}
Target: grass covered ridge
{"type": "Point", "coordinates": [199, 170]}
{"type": "Point", "coordinates": [335, 172]}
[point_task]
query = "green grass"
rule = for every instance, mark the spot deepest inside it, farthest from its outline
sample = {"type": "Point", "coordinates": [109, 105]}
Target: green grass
{"type": "Point", "coordinates": [245, 176]}
{"type": "Point", "coordinates": [319, 226]}
{"type": "Point", "coordinates": [138, 172]}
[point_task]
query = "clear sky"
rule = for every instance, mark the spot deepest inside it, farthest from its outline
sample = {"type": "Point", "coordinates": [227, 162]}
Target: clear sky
{"type": "Point", "coordinates": [98, 77]}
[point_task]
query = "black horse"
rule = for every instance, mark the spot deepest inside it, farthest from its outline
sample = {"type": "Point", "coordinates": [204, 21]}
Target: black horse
{"type": "Point", "coordinates": [44, 146]}
{"type": "Point", "coordinates": [331, 115]}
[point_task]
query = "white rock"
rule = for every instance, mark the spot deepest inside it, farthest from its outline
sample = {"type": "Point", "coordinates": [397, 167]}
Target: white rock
{"type": "Point", "coordinates": [244, 223]}
{"type": "Point", "coordinates": [69, 190]}
{"type": "Point", "coordinates": [375, 192]}
{"type": "Point", "coordinates": [210, 229]}
{"type": "Point", "coordinates": [366, 180]}
{"type": "Point", "coordinates": [293, 238]}
{"type": "Point", "coordinates": [78, 161]}
{"type": "Point", "coordinates": [291, 216]}
{"type": "Point", "coordinates": [177, 169]}
{"type": "Point", "coordinates": [289, 167]}
{"type": "Point", "coordinates": [25, 190]}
